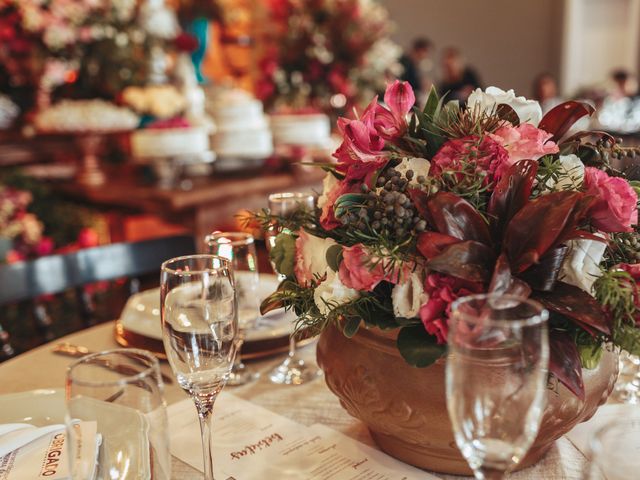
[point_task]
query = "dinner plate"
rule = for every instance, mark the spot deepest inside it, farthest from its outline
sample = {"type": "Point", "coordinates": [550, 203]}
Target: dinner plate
{"type": "Point", "coordinates": [140, 325]}
{"type": "Point", "coordinates": [118, 424]}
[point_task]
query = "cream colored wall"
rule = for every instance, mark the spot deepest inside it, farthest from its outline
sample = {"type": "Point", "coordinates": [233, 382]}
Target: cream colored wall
{"type": "Point", "coordinates": [508, 41]}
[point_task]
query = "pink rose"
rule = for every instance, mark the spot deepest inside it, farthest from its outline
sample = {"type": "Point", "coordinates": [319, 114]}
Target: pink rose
{"type": "Point", "coordinates": [359, 270]}
{"type": "Point", "coordinates": [616, 205]}
{"type": "Point", "coordinates": [443, 290]}
{"type": "Point", "coordinates": [524, 142]}
{"type": "Point", "coordinates": [87, 238]}
{"type": "Point", "coordinates": [44, 246]}
{"type": "Point", "coordinates": [480, 153]}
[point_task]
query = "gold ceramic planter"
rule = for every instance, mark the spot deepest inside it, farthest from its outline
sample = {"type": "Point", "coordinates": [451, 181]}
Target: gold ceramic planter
{"type": "Point", "coordinates": [405, 407]}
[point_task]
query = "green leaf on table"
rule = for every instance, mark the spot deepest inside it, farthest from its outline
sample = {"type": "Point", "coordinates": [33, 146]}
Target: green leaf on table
{"type": "Point", "coordinates": [418, 347]}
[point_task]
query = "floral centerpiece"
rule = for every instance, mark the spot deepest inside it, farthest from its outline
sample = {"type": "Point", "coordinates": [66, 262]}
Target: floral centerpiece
{"type": "Point", "coordinates": [426, 205]}
{"type": "Point", "coordinates": [97, 47]}
{"type": "Point", "coordinates": [325, 54]}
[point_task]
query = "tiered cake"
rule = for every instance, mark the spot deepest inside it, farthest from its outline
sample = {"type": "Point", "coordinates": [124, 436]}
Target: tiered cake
{"type": "Point", "coordinates": [308, 129]}
{"type": "Point", "coordinates": [242, 129]}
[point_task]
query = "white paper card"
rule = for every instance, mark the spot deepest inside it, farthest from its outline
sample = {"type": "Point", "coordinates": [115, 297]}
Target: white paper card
{"type": "Point", "coordinates": [47, 457]}
{"type": "Point", "coordinates": [251, 442]}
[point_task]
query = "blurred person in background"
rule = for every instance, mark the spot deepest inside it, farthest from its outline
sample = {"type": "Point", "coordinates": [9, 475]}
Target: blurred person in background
{"type": "Point", "coordinates": [545, 91]}
{"type": "Point", "coordinates": [417, 64]}
{"type": "Point", "coordinates": [623, 84]}
{"type": "Point", "coordinates": [458, 79]}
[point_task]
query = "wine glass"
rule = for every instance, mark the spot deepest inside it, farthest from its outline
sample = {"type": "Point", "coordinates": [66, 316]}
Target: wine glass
{"type": "Point", "coordinates": [121, 392]}
{"type": "Point", "coordinates": [239, 248]}
{"type": "Point", "coordinates": [613, 451]}
{"type": "Point", "coordinates": [293, 370]}
{"type": "Point", "coordinates": [496, 377]}
{"type": "Point", "coordinates": [199, 331]}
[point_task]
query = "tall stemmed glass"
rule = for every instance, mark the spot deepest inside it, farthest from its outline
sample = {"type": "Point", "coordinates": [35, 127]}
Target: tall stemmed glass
{"type": "Point", "coordinates": [613, 451]}
{"type": "Point", "coordinates": [496, 378]}
{"type": "Point", "coordinates": [239, 248]}
{"type": "Point", "coordinates": [294, 370]}
{"type": "Point", "coordinates": [199, 330]}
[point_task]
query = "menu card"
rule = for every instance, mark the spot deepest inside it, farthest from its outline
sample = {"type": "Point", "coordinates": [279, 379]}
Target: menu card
{"type": "Point", "coordinates": [47, 455]}
{"type": "Point", "coordinates": [251, 442]}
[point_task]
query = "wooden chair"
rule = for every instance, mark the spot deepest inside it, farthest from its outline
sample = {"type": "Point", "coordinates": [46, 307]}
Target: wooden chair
{"type": "Point", "coordinates": [57, 273]}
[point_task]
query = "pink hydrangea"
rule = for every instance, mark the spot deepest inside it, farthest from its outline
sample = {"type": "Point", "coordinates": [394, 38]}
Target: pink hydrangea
{"type": "Point", "coordinates": [484, 153]}
{"type": "Point", "coordinates": [524, 142]}
{"type": "Point", "coordinates": [443, 290]}
{"type": "Point", "coordinates": [616, 205]}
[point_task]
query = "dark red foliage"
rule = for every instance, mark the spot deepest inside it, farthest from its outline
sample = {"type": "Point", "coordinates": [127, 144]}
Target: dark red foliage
{"type": "Point", "coordinates": [564, 362]}
{"type": "Point", "coordinates": [560, 119]}
{"type": "Point", "coordinates": [468, 260]}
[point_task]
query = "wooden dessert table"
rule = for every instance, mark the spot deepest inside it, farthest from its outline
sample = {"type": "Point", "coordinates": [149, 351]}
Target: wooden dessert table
{"type": "Point", "coordinates": [211, 203]}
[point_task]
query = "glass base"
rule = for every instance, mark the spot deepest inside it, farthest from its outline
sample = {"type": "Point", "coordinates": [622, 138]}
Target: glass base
{"type": "Point", "coordinates": [294, 371]}
{"type": "Point", "coordinates": [241, 375]}
{"type": "Point", "coordinates": [627, 389]}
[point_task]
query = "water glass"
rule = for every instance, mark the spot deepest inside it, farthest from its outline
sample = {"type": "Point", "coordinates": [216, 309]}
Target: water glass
{"type": "Point", "coordinates": [614, 451]}
{"type": "Point", "coordinates": [199, 330]}
{"type": "Point", "coordinates": [293, 370]}
{"type": "Point", "coordinates": [496, 376]}
{"type": "Point", "coordinates": [240, 249]}
{"type": "Point", "coordinates": [122, 392]}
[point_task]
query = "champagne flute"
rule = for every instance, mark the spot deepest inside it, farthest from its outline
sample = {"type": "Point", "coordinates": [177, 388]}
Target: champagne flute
{"type": "Point", "coordinates": [199, 331]}
{"type": "Point", "coordinates": [496, 377]}
{"type": "Point", "coordinates": [613, 451]}
{"type": "Point", "coordinates": [293, 370]}
{"type": "Point", "coordinates": [239, 248]}
{"type": "Point", "coordinates": [119, 391]}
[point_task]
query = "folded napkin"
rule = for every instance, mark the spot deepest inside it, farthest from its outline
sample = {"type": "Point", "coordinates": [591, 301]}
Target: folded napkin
{"type": "Point", "coordinates": [28, 452]}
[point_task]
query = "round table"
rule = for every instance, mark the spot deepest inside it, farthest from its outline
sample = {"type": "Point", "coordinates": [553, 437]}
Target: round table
{"type": "Point", "coordinates": [307, 404]}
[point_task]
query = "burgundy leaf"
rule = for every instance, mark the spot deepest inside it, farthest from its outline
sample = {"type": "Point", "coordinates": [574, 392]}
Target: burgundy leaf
{"type": "Point", "coordinates": [468, 260]}
{"type": "Point", "coordinates": [431, 244]}
{"type": "Point", "coordinates": [506, 112]}
{"type": "Point", "coordinates": [511, 193]}
{"type": "Point", "coordinates": [564, 362]}
{"type": "Point", "coordinates": [540, 226]}
{"type": "Point", "coordinates": [503, 282]}
{"type": "Point", "coordinates": [543, 275]}
{"type": "Point", "coordinates": [577, 217]}
{"type": "Point", "coordinates": [454, 216]}
{"type": "Point", "coordinates": [560, 119]}
{"type": "Point", "coordinates": [419, 199]}
{"type": "Point", "coordinates": [578, 306]}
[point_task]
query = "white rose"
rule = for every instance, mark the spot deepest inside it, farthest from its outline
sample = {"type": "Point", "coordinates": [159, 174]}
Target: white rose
{"type": "Point", "coordinates": [311, 255]}
{"type": "Point", "coordinates": [580, 268]}
{"type": "Point", "coordinates": [420, 167]}
{"type": "Point", "coordinates": [408, 296]}
{"type": "Point", "coordinates": [328, 183]}
{"type": "Point", "coordinates": [332, 293]}
{"type": "Point", "coordinates": [571, 174]}
{"type": "Point", "coordinates": [528, 111]}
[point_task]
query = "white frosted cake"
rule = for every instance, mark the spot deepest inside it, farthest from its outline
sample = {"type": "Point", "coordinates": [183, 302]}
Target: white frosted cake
{"type": "Point", "coordinates": [301, 129]}
{"type": "Point", "coordinates": [169, 142]}
{"type": "Point", "coordinates": [242, 129]}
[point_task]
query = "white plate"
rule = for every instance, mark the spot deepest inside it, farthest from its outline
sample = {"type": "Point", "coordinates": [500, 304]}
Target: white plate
{"type": "Point", "coordinates": [141, 314]}
{"type": "Point", "coordinates": [117, 423]}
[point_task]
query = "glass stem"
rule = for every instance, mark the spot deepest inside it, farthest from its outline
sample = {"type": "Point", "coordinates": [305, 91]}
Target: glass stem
{"type": "Point", "coordinates": [488, 473]}
{"type": "Point", "coordinates": [237, 362]}
{"type": "Point", "coordinates": [204, 405]}
{"type": "Point", "coordinates": [292, 346]}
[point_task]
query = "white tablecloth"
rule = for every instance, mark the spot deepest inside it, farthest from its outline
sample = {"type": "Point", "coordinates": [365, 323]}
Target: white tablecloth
{"type": "Point", "coordinates": [307, 404]}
